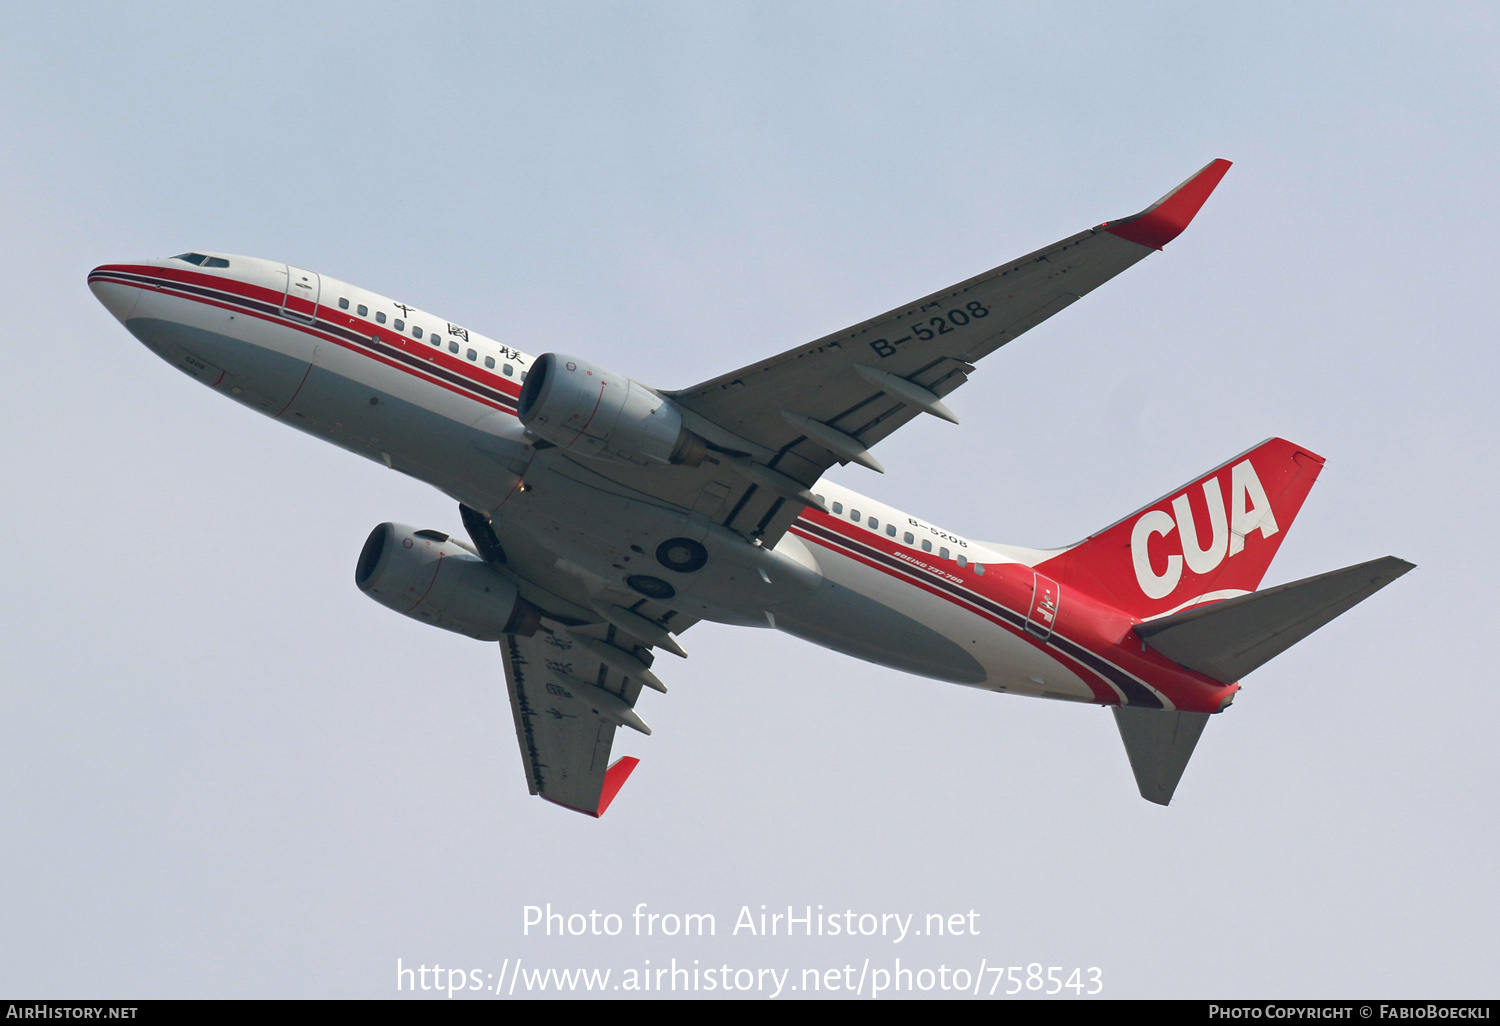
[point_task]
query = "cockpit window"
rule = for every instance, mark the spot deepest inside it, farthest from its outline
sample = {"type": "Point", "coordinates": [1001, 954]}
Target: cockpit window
{"type": "Point", "coordinates": [202, 259]}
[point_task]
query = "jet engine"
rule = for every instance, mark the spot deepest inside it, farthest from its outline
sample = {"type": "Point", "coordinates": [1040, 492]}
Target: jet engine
{"type": "Point", "coordinates": [591, 411]}
{"type": "Point", "coordinates": [431, 577]}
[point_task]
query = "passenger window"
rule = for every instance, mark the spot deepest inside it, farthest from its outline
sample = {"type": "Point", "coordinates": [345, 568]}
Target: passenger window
{"type": "Point", "coordinates": [523, 375]}
{"type": "Point", "coordinates": [416, 332]}
{"type": "Point", "coordinates": [508, 370]}
{"type": "Point", "coordinates": [362, 310]}
{"type": "Point", "coordinates": [854, 515]}
{"type": "Point", "coordinates": [489, 362]}
{"type": "Point", "coordinates": [216, 262]}
{"type": "Point", "coordinates": [963, 561]}
{"type": "Point", "coordinates": [343, 304]}
{"type": "Point", "coordinates": [472, 355]}
{"type": "Point", "coordinates": [380, 317]}
{"type": "Point", "coordinates": [909, 539]}
{"type": "Point", "coordinates": [874, 524]}
{"type": "Point", "coordinates": [979, 569]}
{"type": "Point", "coordinates": [926, 545]}
{"type": "Point", "coordinates": [452, 347]}
{"type": "Point", "coordinates": [821, 499]}
{"type": "Point", "coordinates": [890, 529]}
{"type": "Point", "coordinates": [838, 507]}
{"type": "Point", "coordinates": [400, 325]}
{"type": "Point", "coordinates": [942, 553]}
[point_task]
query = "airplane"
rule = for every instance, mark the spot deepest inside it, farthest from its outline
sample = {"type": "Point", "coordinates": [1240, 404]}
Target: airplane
{"type": "Point", "coordinates": [605, 517]}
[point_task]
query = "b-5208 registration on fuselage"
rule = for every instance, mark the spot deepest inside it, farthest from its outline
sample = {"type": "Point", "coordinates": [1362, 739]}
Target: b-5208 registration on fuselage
{"type": "Point", "coordinates": [605, 517]}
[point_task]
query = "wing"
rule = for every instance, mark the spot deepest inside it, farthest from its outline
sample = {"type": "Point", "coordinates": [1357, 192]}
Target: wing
{"type": "Point", "coordinates": [575, 673]}
{"type": "Point", "coordinates": [831, 400]}
{"type": "Point", "coordinates": [775, 427]}
{"type": "Point", "coordinates": [567, 703]}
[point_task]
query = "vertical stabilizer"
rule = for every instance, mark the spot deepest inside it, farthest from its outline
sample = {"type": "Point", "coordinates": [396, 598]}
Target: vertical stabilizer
{"type": "Point", "coordinates": [1159, 745]}
{"type": "Point", "coordinates": [1211, 539]}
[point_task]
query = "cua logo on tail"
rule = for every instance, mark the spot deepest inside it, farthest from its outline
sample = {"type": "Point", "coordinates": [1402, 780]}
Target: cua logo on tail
{"type": "Point", "coordinates": [1213, 536]}
{"type": "Point", "coordinates": [1249, 510]}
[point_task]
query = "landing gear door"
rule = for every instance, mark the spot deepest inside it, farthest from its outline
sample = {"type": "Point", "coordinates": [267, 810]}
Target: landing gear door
{"type": "Point", "coordinates": [302, 290]}
{"type": "Point", "coordinates": [1044, 599]}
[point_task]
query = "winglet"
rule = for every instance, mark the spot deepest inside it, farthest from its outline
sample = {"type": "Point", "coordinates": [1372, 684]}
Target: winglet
{"type": "Point", "coordinates": [614, 779]}
{"type": "Point", "coordinates": [1165, 219]}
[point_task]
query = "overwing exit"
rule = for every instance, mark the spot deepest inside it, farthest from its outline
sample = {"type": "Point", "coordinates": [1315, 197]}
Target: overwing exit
{"type": "Point", "coordinates": [604, 517]}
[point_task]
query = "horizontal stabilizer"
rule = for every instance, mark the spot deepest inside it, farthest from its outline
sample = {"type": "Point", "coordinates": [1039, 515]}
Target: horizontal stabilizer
{"type": "Point", "coordinates": [1226, 640]}
{"type": "Point", "coordinates": [1159, 744]}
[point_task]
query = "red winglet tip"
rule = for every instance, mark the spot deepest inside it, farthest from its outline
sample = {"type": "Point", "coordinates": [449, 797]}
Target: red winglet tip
{"type": "Point", "coordinates": [1162, 222]}
{"type": "Point", "coordinates": [614, 779]}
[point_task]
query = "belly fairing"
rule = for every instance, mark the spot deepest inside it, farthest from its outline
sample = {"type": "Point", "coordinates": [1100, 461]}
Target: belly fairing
{"type": "Point", "coordinates": [842, 619]}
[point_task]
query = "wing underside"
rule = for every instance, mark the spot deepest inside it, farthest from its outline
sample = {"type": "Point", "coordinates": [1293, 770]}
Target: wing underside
{"type": "Point", "coordinates": [567, 705]}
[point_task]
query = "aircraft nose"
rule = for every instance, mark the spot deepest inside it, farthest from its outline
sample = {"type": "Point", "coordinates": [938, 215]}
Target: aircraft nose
{"type": "Point", "coordinates": [109, 287]}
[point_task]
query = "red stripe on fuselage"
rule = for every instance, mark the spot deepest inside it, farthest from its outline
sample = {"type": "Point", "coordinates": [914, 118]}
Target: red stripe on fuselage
{"type": "Point", "coordinates": [1104, 694]}
{"type": "Point", "coordinates": [1185, 689]}
{"type": "Point", "coordinates": [410, 347]}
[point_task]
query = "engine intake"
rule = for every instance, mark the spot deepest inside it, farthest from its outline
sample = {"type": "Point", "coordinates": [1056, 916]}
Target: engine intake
{"type": "Point", "coordinates": [430, 577]}
{"type": "Point", "coordinates": [588, 410]}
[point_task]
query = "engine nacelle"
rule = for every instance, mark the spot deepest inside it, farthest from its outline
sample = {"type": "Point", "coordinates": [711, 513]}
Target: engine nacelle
{"type": "Point", "coordinates": [588, 410]}
{"type": "Point", "coordinates": [428, 576]}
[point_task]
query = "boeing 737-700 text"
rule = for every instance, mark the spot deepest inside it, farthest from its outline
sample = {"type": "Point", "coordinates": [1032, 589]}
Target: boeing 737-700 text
{"type": "Point", "coordinates": [605, 517]}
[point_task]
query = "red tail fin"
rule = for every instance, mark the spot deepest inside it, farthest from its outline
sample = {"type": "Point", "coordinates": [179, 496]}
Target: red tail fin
{"type": "Point", "coordinates": [1212, 538]}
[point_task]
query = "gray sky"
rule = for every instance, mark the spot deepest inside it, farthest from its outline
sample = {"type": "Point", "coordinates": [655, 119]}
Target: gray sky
{"type": "Point", "coordinates": [227, 773]}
